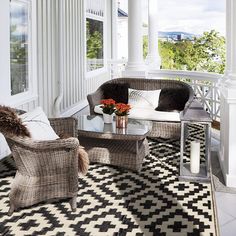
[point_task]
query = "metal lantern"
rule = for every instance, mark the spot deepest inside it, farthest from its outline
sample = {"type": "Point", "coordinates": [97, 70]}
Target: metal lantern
{"type": "Point", "coordinates": [195, 150]}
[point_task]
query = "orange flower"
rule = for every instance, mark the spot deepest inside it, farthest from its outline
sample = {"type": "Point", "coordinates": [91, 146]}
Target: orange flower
{"type": "Point", "coordinates": [122, 109]}
{"type": "Point", "coordinates": [108, 106]}
{"type": "Point", "coordinates": [108, 102]}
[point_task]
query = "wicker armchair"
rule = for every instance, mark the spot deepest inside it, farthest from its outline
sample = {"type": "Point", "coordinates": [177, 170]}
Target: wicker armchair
{"type": "Point", "coordinates": [45, 169]}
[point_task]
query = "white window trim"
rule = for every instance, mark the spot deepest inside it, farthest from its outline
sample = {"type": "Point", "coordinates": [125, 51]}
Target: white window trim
{"type": "Point", "coordinates": [104, 69]}
{"type": "Point", "coordinates": [5, 51]}
{"type": "Point", "coordinates": [5, 90]}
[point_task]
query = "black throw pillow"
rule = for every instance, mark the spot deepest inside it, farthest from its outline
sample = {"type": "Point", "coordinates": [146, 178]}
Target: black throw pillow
{"type": "Point", "coordinates": [172, 99]}
{"type": "Point", "coordinates": [118, 92]}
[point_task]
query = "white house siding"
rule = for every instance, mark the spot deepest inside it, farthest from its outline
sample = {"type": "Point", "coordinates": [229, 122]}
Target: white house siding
{"type": "Point", "coordinates": [60, 55]}
{"type": "Point", "coordinates": [61, 50]}
{"type": "Point", "coordinates": [63, 57]}
{"type": "Point", "coordinates": [47, 53]}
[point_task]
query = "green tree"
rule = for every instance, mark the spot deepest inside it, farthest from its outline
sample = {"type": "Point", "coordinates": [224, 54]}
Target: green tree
{"type": "Point", "coordinates": [18, 47]}
{"type": "Point", "coordinates": [167, 55]}
{"type": "Point", "coordinates": [19, 61]}
{"type": "Point", "coordinates": [206, 53]}
{"type": "Point", "coordinates": [210, 49]}
{"type": "Point", "coordinates": [94, 45]}
{"type": "Point", "coordinates": [145, 46]}
{"type": "Point", "coordinates": [94, 40]}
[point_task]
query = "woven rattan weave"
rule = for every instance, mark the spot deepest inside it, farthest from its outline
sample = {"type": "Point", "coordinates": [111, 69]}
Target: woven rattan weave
{"type": "Point", "coordinates": [45, 169]}
{"type": "Point", "coordinates": [125, 148]}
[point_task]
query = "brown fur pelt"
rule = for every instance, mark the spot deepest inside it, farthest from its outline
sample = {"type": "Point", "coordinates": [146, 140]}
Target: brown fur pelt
{"type": "Point", "coordinates": [11, 124]}
{"type": "Point", "coordinates": [83, 160]}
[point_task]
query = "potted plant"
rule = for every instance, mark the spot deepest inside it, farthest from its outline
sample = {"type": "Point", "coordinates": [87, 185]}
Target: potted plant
{"type": "Point", "coordinates": [122, 111]}
{"type": "Point", "coordinates": [108, 108]}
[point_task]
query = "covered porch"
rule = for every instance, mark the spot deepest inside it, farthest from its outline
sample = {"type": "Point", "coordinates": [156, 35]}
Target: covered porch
{"type": "Point", "coordinates": [60, 76]}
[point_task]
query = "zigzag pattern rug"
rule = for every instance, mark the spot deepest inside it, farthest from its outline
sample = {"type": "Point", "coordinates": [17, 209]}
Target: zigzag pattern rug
{"type": "Point", "coordinates": [119, 202]}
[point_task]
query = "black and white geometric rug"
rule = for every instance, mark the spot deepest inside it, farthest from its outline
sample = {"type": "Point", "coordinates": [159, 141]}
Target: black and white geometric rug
{"type": "Point", "coordinates": [119, 202]}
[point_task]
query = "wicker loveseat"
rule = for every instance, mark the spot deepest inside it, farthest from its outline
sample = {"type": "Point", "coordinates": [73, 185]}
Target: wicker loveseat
{"type": "Point", "coordinates": [161, 128]}
{"type": "Point", "coordinates": [45, 169]}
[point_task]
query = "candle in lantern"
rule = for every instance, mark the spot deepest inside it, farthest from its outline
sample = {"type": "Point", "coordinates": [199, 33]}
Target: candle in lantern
{"type": "Point", "coordinates": [195, 157]}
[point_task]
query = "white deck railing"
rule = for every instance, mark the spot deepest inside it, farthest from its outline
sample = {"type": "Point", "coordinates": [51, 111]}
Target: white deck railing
{"type": "Point", "coordinates": [205, 85]}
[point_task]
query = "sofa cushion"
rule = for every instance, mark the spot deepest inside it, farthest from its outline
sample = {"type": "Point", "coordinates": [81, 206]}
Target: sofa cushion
{"type": "Point", "coordinates": [151, 114]}
{"type": "Point", "coordinates": [38, 125]}
{"type": "Point", "coordinates": [144, 98]}
{"type": "Point", "coordinates": [172, 99]}
{"type": "Point", "coordinates": [148, 114]}
{"type": "Point", "coordinates": [118, 92]}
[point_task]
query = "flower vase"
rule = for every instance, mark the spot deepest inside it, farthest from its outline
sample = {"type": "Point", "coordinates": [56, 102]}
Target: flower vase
{"type": "Point", "coordinates": [108, 128]}
{"type": "Point", "coordinates": [107, 118]}
{"type": "Point", "coordinates": [121, 121]}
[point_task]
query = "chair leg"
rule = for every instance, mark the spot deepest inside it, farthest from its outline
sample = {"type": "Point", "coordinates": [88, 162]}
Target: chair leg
{"type": "Point", "coordinates": [73, 203]}
{"type": "Point", "coordinates": [11, 209]}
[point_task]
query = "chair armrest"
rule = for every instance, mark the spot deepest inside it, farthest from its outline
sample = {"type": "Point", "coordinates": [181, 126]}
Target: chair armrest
{"type": "Point", "coordinates": [46, 158]}
{"type": "Point", "coordinates": [190, 100]}
{"type": "Point", "coordinates": [28, 143]}
{"type": "Point", "coordinates": [67, 125]}
{"type": "Point", "coordinates": [94, 99]}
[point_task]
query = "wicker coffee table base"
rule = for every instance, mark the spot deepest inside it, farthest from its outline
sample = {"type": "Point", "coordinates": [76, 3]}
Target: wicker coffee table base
{"type": "Point", "coordinates": [128, 154]}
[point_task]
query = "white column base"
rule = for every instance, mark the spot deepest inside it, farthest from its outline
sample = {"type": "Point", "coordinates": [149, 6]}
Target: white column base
{"type": "Point", "coordinates": [134, 74]}
{"type": "Point", "coordinates": [135, 66]}
{"type": "Point", "coordinates": [230, 181]}
{"type": "Point", "coordinates": [230, 81]}
{"type": "Point", "coordinates": [135, 69]}
{"type": "Point", "coordinates": [153, 62]}
{"type": "Point", "coordinates": [228, 126]}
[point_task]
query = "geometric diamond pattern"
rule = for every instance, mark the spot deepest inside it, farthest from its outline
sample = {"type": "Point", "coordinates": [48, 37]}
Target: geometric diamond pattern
{"type": "Point", "coordinates": [114, 201]}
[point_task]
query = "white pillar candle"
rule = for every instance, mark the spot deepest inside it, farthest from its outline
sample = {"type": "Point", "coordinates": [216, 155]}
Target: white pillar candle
{"type": "Point", "coordinates": [195, 157]}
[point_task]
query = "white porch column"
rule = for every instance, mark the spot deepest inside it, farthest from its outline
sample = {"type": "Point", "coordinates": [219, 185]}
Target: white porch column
{"type": "Point", "coordinates": [114, 16]}
{"type": "Point", "coordinates": [135, 63]}
{"type": "Point", "coordinates": [153, 59]}
{"type": "Point", "coordinates": [228, 101]}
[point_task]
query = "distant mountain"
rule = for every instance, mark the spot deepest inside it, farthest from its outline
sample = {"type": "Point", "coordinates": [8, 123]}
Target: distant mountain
{"type": "Point", "coordinates": [176, 35]}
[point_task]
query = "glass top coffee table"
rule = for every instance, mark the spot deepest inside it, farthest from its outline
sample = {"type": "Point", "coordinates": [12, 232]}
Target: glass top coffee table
{"type": "Point", "coordinates": [110, 145]}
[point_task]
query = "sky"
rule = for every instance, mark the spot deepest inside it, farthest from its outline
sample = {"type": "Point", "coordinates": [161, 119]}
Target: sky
{"type": "Point", "coordinates": [192, 16]}
{"type": "Point", "coordinates": [19, 17]}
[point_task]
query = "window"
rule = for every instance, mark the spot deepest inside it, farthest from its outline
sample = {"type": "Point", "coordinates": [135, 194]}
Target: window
{"type": "Point", "coordinates": [19, 46]}
{"type": "Point", "coordinates": [95, 34]}
{"type": "Point", "coordinates": [94, 29]}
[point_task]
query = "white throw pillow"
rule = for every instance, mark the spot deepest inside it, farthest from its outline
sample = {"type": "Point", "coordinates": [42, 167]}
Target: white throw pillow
{"type": "Point", "coordinates": [4, 149]}
{"type": "Point", "coordinates": [144, 98]}
{"type": "Point", "coordinates": [38, 125]}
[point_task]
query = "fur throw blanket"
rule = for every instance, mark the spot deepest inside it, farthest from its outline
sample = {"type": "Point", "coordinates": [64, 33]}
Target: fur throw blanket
{"type": "Point", "coordinates": [83, 161]}
{"type": "Point", "coordinates": [11, 124]}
